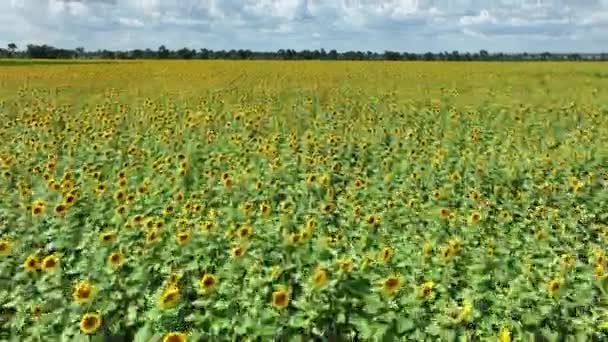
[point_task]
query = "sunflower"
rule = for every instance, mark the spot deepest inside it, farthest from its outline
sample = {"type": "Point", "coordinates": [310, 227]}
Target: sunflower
{"type": "Point", "coordinates": [244, 232]}
{"type": "Point", "coordinates": [83, 292]}
{"type": "Point", "coordinates": [386, 254]}
{"type": "Point", "coordinates": [345, 265]}
{"type": "Point", "coordinates": [31, 263]}
{"type": "Point", "coordinates": [311, 179]}
{"type": "Point", "coordinates": [444, 213]}
{"type": "Point", "coordinates": [373, 220]}
{"type": "Point", "coordinates": [359, 183]}
{"type": "Point", "coordinates": [247, 207]}
{"type": "Point", "coordinates": [179, 196]}
{"type": "Point", "coordinates": [454, 177]}
{"type": "Point", "coordinates": [120, 196]}
{"type": "Point", "coordinates": [554, 286]}
{"type": "Point", "coordinates": [427, 249]}
{"type": "Point", "coordinates": [183, 237]}
{"type": "Point", "coordinates": [152, 236]}
{"type": "Point", "coordinates": [475, 217]}
{"type": "Point", "coordinates": [108, 237]}
{"type": "Point", "coordinates": [115, 259]}
{"type": "Point", "coordinates": [311, 224]}
{"type": "Point", "coordinates": [60, 209]}
{"type": "Point", "coordinates": [391, 284]}
{"type": "Point", "coordinates": [208, 282]}
{"type": "Point", "coordinates": [504, 335]}
{"type": "Point", "coordinates": [426, 289]}
{"type": "Point", "coordinates": [50, 263]}
{"type": "Point", "coordinates": [90, 323]}
{"type": "Point", "coordinates": [474, 195]}
{"type": "Point", "coordinates": [175, 337]}
{"type": "Point", "coordinates": [237, 251]}
{"type": "Point", "coordinates": [600, 258]}
{"type": "Point", "coordinates": [137, 219]}
{"type": "Point", "coordinates": [280, 298]}
{"type": "Point", "coordinates": [36, 311]}
{"type": "Point", "coordinates": [319, 278]}
{"type": "Point", "coordinates": [100, 189]}
{"type": "Point", "coordinates": [505, 216]}
{"type": "Point", "coordinates": [38, 207]}
{"type": "Point", "coordinates": [208, 226]}
{"type": "Point", "coordinates": [294, 238]}
{"type": "Point", "coordinates": [265, 209]}
{"type": "Point", "coordinates": [5, 247]}
{"type": "Point", "coordinates": [169, 298]}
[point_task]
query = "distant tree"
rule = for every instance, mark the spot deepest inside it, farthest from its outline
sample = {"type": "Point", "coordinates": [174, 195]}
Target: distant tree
{"type": "Point", "coordinates": [80, 52]}
{"type": "Point", "coordinates": [483, 54]}
{"type": "Point", "coordinates": [186, 53]}
{"type": "Point", "coordinates": [163, 52]}
{"type": "Point", "coordinates": [12, 47]}
{"type": "Point", "coordinates": [333, 55]}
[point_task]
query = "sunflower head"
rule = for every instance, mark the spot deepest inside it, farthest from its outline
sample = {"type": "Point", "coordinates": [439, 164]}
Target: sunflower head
{"type": "Point", "coordinates": [426, 289]}
{"type": "Point", "coordinates": [386, 254]}
{"type": "Point", "coordinates": [208, 282]}
{"type": "Point", "coordinates": [175, 337]}
{"type": "Point", "coordinates": [280, 298]}
{"type": "Point", "coordinates": [5, 247]}
{"type": "Point", "coordinates": [475, 217]}
{"type": "Point", "coordinates": [50, 263]}
{"type": "Point", "coordinates": [108, 237]}
{"type": "Point", "coordinates": [83, 292]}
{"type": "Point", "coordinates": [169, 298]}
{"type": "Point", "coordinates": [115, 259]}
{"type": "Point", "coordinates": [31, 263]}
{"type": "Point", "coordinates": [391, 284]}
{"type": "Point", "coordinates": [237, 251]}
{"type": "Point", "coordinates": [373, 220]}
{"type": "Point", "coordinates": [183, 237]}
{"type": "Point", "coordinates": [345, 265]}
{"type": "Point", "coordinates": [554, 286]}
{"type": "Point", "coordinates": [244, 232]}
{"type": "Point", "coordinates": [90, 323]}
{"type": "Point", "coordinates": [319, 277]}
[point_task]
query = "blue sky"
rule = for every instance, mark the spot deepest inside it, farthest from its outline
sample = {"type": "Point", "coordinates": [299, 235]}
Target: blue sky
{"type": "Point", "coordinates": [377, 25]}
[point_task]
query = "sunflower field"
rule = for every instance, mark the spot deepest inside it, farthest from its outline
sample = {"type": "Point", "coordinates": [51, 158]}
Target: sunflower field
{"type": "Point", "coordinates": [300, 201]}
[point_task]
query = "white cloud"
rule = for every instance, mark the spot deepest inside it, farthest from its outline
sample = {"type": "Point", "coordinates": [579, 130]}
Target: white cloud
{"type": "Point", "coordinates": [409, 25]}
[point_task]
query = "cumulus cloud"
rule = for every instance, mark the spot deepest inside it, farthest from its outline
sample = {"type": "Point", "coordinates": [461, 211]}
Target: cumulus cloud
{"type": "Point", "coordinates": [408, 25]}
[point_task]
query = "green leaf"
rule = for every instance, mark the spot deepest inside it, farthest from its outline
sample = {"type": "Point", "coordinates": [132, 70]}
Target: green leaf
{"type": "Point", "coordinates": [143, 334]}
{"type": "Point", "coordinates": [404, 324]}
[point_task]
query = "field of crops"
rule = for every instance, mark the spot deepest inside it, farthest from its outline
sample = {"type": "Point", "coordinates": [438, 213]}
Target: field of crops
{"type": "Point", "coordinates": [173, 201]}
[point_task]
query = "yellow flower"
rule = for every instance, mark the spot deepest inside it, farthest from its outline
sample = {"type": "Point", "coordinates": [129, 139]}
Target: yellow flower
{"type": "Point", "coordinates": [5, 247]}
{"type": "Point", "coordinates": [426, 289]}
{"type": "Point", "coordinates": [373, 220]}
{"type": "Point", "coordinates": [31, 263]}
{"type": "Point", "coordinates": [50, 263]}
{"type": "Point", "coordinates": [83, 292]}
{"type": "Point", "coordinates": [175, 337]}
{"type": "Point", "coordinates": [237, 251]}
{"type": "Point", "coordinates": [183, 237]}
{"type": "Point", "coordinates": [280, 298]}
{"type": "Point", "coordinates": [386, 254]}
{"type": "Point", "coordinates": [90, 323]}
{"type": "Point", "coordinates": [319, 278]}
{"type": "Point", "coordinates": [169, 298]}
{"type": "Point", "coordinates": [554, 286]}
{"type": "Point", "coordinates": [505, 335]}
{"type": "Point", "coordinates": [115, 259]}
{"type": "Point", "coordinates": [108, 237]}
{"type": "Point", "coordinates": [345, 265]}
{"type": "Point", "coordinates": [208, 282]}
{"type": "Point", "coordinates": [391, 285]}
{"type": "Point", "coordinates": [475, 217]}
{"type": "Point", "coordinates": [244, 232]}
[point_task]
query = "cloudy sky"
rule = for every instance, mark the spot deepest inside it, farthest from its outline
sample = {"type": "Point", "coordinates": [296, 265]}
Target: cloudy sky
{"type": "Point", "coordinates": [377, 25]}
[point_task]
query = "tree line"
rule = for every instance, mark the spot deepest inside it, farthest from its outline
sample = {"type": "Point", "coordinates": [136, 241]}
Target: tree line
{"type": "Point", "coordinates": [49, 52]}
